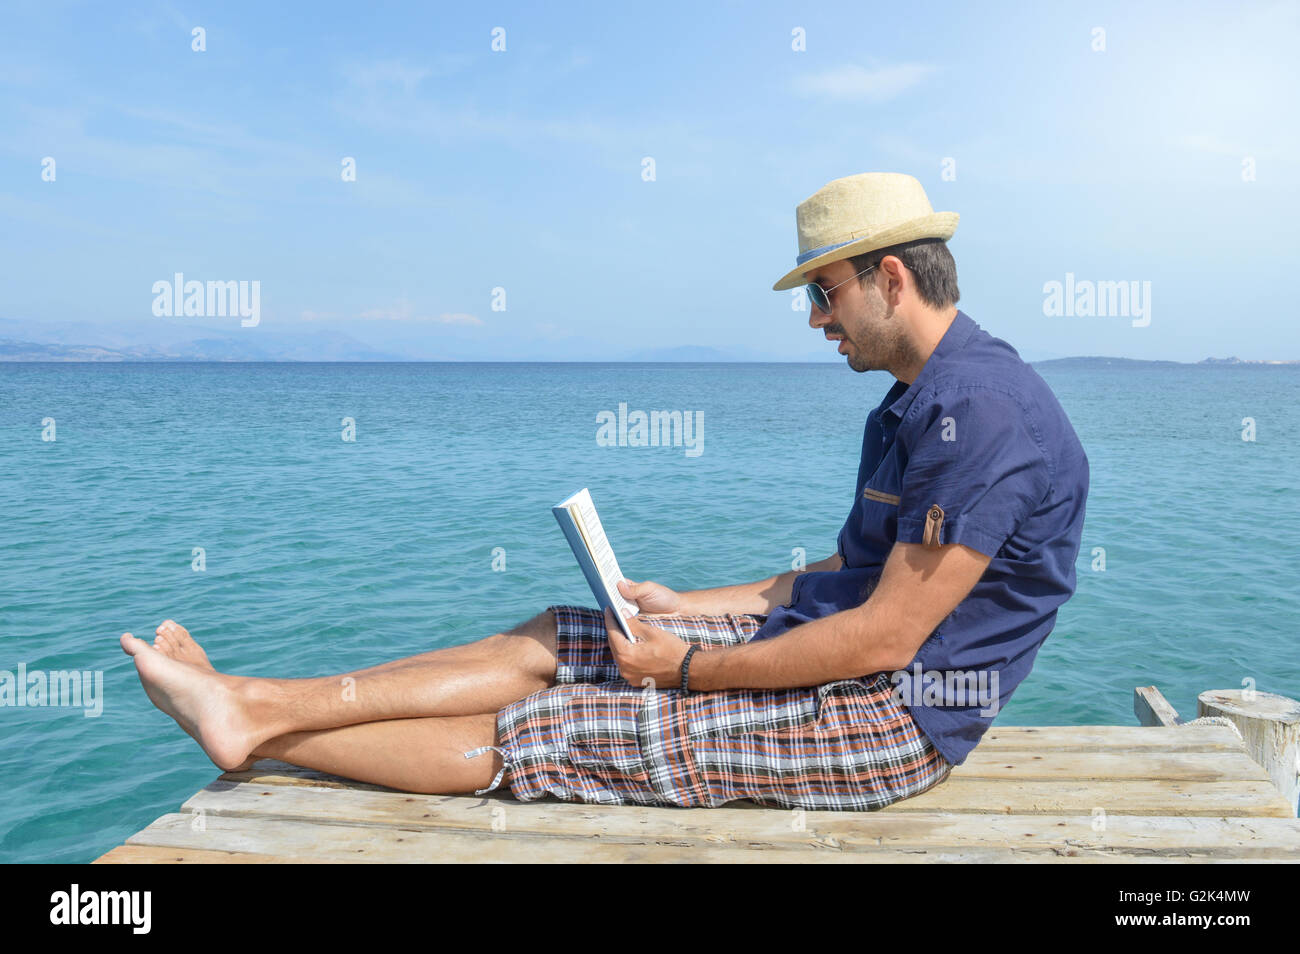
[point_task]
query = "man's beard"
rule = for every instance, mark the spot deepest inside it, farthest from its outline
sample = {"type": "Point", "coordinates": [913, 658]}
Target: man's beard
{"type": "Point", "coordinates": [861, 359]}
{"type": "Point", "coordinates": [891, 350]}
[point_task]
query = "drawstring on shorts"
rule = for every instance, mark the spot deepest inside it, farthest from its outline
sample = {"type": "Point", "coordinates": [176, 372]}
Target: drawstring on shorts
{"type": "Point", "coordinates": [505, 758]}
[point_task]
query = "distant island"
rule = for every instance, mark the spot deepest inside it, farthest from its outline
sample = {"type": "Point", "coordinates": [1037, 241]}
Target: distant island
{"type": "Point", "coordinates": [1102, 361]}
{"type": "Point", "coordinates": [1236, 360]}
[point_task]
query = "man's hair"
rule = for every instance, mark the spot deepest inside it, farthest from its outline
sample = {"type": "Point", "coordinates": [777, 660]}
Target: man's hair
{"type": "Point", "coordinates": [931, 266]}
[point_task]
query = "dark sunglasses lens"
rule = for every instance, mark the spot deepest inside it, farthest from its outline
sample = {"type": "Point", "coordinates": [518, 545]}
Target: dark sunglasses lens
{"type": "Point", "coordinates": [818, 296]}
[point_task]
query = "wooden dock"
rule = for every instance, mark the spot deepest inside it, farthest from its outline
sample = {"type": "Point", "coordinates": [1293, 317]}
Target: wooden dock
{"type": "Point", "coordinates": [1173, 793]}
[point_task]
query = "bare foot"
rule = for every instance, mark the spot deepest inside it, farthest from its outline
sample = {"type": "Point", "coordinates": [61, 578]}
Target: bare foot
{"type": "Point", "coordinates": [203, 702]}
{"type": "Point", "coordinates": [174, 641]}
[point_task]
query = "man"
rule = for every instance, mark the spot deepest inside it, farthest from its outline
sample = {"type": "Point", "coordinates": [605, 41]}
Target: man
{"type": "Point", "coordinates": [854, 684]}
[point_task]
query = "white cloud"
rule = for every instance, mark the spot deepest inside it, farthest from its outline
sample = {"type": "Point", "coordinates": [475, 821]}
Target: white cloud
{"type": "Point", "coordinates": [856, 82]}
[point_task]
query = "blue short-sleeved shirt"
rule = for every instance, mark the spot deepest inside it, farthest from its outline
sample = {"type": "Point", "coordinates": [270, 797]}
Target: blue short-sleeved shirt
{"type": "Point", "coordinates": [977, 451]}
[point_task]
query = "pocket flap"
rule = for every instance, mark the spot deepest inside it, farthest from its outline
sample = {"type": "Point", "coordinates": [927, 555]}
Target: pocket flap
{"type": "Point", "coordinates": [879, 496]}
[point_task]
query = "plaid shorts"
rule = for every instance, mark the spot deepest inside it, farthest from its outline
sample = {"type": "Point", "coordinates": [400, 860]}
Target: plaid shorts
{"type": "Point", "coordinates": [592, 737]}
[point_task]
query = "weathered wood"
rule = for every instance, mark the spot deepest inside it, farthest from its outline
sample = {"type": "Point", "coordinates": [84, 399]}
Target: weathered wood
{"type": "Point", "coordinates": [1091, 794]}
{"type": "Point", "coordinates": [150, 855]}
{"type": "Point", "coordinates": [293, 839]}
{"type": "Point", "coordinates": [1065, 764]}
{"type": "Point", "coordinates": [1243, 799]}
{"type": "Point", "coordinates": [1152, 708]}
{"type": "Point", "coordinates": [1270, 728]}
{"type": "Point", "coordinates": [634, 824]}
{"type": "Point", "coordinates": [1113, 738]}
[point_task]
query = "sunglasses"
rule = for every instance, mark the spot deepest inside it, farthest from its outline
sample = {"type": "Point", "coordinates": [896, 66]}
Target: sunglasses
{"type": "Point", "coordinates": [821, 297]}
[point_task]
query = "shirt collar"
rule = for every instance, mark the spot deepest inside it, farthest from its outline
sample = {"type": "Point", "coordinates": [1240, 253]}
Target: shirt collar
{"type": "Point", "coordinates": [901, 396]}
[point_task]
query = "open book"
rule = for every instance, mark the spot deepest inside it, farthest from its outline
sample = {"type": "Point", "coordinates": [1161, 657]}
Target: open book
{"type": "Point", "coordinates": [577, 518]}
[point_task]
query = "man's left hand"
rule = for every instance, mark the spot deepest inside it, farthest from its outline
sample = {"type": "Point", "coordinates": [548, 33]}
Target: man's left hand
{"type": "Point", "coordinates": [654, 660]}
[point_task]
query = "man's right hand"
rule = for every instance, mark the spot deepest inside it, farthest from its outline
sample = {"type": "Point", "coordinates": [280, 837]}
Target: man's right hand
{"type": "Point", "coordinates": [654, 599]}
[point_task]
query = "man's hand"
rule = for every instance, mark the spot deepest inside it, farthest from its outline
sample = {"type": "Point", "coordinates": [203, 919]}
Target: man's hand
{"type": "Point", "coordinates": [653, 599]}
{"type": "Point", "coordinates": [654, 660]}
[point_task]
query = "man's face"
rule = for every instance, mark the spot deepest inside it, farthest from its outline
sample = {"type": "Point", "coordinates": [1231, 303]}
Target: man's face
{"type": "Point", "coordinates": [859, 317]}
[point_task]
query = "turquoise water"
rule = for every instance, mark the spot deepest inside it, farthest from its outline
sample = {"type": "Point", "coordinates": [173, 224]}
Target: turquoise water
{"type": "Point", "coordinates": [324, 555]}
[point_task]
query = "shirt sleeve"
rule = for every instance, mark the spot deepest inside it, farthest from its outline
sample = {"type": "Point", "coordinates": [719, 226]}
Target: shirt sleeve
{"type": "Point", "coordinates": [975, 470]}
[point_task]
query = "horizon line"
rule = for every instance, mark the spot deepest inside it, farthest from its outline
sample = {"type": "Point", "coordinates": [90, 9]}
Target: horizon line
{"type": "Point", "coordinates": [1231, 361]}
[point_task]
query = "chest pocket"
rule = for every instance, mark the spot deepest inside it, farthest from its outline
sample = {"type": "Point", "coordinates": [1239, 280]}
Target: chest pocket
{"type": "Point", "coordinates": [872, 527]}
{"type": "Point", "coordinates": [879, 496]}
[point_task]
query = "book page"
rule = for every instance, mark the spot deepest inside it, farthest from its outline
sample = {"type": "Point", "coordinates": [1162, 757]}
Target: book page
{"type": "Point", "coordinates": [602, 554]}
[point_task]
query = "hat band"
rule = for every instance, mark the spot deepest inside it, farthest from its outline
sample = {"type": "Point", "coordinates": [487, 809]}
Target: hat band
{"type": "Point", "coordinates": [814, 252]}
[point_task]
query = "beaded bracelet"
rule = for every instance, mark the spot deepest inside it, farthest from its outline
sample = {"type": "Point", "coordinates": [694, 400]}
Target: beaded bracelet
{"type": "Point", "coordinates": [686, 667]}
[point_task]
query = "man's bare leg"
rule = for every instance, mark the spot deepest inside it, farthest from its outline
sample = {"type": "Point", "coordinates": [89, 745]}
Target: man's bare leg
{"type": "Point", "coordinates": [175, 641]}
{"type": "Point", "coordinates": [415, 755]}
{"type": "Point", "coordinates": [232, 716]}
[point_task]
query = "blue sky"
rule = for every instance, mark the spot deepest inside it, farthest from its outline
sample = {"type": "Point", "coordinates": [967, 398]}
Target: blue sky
{"type": "Point", "coordinates": [523, 169]}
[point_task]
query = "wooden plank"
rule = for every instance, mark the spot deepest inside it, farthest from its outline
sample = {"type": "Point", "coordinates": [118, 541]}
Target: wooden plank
{"type": "Point", "coordinates": [1244, 799]}
{"type": "Point", "coordinates": [290, 838]}
{"type": "Point", "coordinates": [1152, 708]}
{"type": "Point", "coordinates": [1071, 764]}
{"type": "Point", "coordinates": [273, 772]}
{"type": "Point", "coordinates": [633, 824]}
{"type": "Point", "coordinates": [1113, 738]}
{"type": "Point", "coordinates": [150, 855]}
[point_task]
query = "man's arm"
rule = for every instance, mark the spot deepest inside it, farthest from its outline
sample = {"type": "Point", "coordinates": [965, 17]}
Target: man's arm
{"type": "Point", "coordinates": [919, 586]}
{"type": "Point", "coordinates": [760, 597]}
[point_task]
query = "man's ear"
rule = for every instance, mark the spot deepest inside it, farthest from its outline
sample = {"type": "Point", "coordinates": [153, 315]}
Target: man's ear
{"type": "Point", "coordinates": [895, 279]}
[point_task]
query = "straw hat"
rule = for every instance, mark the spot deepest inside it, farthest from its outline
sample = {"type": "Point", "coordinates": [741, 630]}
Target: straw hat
{"type": "Point", "coordinates": [859, 214]}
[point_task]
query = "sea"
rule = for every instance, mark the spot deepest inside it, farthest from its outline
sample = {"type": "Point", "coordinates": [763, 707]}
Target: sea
{"type": "Point", "coordinates": [311, 519]}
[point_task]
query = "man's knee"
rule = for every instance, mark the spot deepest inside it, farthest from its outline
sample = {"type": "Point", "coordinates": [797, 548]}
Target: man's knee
{"type": "Point", "coordinates": [534, 641]}
{"type": "Point", "coordinates": [541, 627]}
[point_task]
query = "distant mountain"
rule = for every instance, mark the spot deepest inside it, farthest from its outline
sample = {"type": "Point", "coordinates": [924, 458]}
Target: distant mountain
{"type": "Point", "coordinates": [1101, 361]}
{"type": "Point", "coordinates": [1235, 360]}
{"type": "Point", "coordinates": [11, 350]}
{"type": "Point", "coordinates": [171, 341]}
{"type": "Point", "coordinates": [707, 353]}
